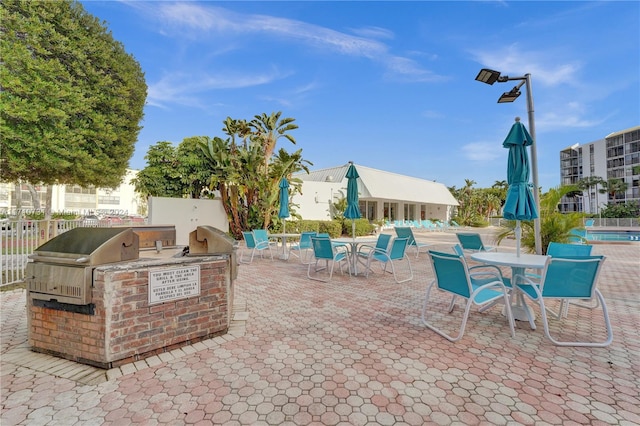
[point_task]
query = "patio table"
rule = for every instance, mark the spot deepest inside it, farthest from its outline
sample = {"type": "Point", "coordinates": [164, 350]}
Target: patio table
{"type": "Point", "coordinates": [521, 311]}
{"type": "Point", "coordinates": [354, 243]}
{"type": "Point", "coordinates": [283, 238]}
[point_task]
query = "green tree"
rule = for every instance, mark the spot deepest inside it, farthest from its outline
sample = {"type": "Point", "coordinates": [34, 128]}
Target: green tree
{"type": "Point", "coordinates": [614, 186]}
{"type": "Point", "coordinates": [622, 210]}
{"type": "Point", "coordinates": [192, 167]}
{"type": "Point", "coordinates": [245, 171]}
{"type": "Point", "coordinates": [267, 129]}
{"type": "Point", "coordinates": [499, 189]}
{"type": "Point", "coordinates": [586, 183]}
{"type": "Point", "coordinates": [71, 99]}
{"type": "Point", "coordinates": [161, 176]}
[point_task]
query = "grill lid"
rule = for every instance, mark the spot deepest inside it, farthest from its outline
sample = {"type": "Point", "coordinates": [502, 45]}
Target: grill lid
{"type": "Point", "coordinates": [94, 246]}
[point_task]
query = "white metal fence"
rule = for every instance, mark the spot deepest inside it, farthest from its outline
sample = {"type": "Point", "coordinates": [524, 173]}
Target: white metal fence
{"type": "Point", "coordinates": [20, 238]}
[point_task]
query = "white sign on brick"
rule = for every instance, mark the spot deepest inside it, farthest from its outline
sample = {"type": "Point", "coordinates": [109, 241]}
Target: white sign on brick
{"type": "Point", "coordinates": [168, 284]}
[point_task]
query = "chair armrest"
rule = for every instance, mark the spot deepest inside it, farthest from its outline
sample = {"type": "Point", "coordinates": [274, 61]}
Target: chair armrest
{"type": "Point", "coordinates": [263, 244]}
{"type": "Point", "coordinates": [494, 268]}
{"type": "Point", "coordinates": [365, 249]}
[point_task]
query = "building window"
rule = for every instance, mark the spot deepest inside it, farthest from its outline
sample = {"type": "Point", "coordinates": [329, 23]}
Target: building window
{"type": "Point", "coordinates": [390, 211]}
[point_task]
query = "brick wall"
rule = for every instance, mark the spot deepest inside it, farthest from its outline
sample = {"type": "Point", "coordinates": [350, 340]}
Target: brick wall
{"type": "Point", "coordinates": [125, 327]}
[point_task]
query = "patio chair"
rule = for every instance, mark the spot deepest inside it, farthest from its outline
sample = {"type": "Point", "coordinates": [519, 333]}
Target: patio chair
{"type": "Point", "coordinates": [453, 276]}
{"type": "Point", "coordinates": [472, 242]}
{"type": "Point", "coordinates": [303, 247]}
{"type": "Point", "coordinates": [381, 244]}
{"type": "Point", "coordinates": [323, 249]}
{"type": "Point", "coordinates": [262, 236]}
{"type": "Point", "coordinates": [565, 250]}
{"type": "Point", "coordinates": [254, 246]}
{"type": "Point", "coordinates": [566, 278]}
{"type": "Point", "coordinates": [578, 236]}
{"type": "Point", "coordinates": [396, 252]}
{"type": "Point", "coordinates": [406, 232]}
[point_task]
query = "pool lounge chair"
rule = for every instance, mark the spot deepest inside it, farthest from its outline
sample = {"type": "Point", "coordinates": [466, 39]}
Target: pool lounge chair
{"type": "Point", "coordinates": [472, 242]}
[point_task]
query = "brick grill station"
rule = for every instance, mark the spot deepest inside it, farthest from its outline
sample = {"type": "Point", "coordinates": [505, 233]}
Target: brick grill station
{"type": "Point", "coordinates": [191, 300]}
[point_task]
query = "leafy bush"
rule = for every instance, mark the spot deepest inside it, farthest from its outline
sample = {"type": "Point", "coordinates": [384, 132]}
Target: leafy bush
{"type": "Point", "coordinates": [333, 228]}
{"type": "Point", "coordinates": [363, 227]}
{"type": "Point", "coordinates": [629, 209]}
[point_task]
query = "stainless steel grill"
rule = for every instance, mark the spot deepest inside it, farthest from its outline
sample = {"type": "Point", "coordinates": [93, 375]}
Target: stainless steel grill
{"type": "Point", "coordinates": [62, 269]}
{"type": "Point", "coordinates": [207, 240]}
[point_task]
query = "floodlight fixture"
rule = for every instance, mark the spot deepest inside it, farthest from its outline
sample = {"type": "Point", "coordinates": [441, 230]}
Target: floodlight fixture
{"type": "Point", "coordinates": [509, 96]}
{"type": "Point", "coordinates": [489, 76]}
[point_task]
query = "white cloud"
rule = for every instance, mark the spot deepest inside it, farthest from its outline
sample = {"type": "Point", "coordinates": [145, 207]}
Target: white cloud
{"type": "Point", "coordinates": [184, 88]}
{"type": "Point", "coordinates": [481, 151]}
{"type": "Point", "coordinates": [374, 32]}
{"type": "Point", "coordinates": [191, 20]}
{"type": "Point", "coordinates": [546, 68]}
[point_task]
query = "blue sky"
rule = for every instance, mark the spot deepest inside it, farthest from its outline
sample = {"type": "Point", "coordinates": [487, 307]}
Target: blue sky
{"type": "Point", "coordinates": [388, 85]}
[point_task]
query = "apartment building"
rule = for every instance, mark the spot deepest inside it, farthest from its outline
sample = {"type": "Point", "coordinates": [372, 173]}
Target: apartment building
{"type": "Point", "coordinates": [616, 156]}
{"type": "Point", "coordinates": [122, 200]}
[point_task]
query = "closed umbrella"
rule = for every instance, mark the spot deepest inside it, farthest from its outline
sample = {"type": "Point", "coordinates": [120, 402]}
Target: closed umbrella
{"type": "Point", "coordinates": [353, 209]}
{"type": "Point", "coordinates": [520, 204]}
{"type": "Point", "coordinates": [283, 213]}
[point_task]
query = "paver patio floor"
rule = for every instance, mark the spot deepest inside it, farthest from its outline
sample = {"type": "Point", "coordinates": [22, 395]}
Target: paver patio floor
{"type": "Point", "coordinates": [352, 351]}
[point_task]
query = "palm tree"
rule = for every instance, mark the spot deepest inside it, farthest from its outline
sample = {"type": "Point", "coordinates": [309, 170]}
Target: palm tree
{"type": "Point", "coordinates": [586, 183]}
{"type": "Point", "coordinates": [246, 174]}
{"type": "Point", "coordinates": [267, 129]}
{"type": "Point", "coordinates": [614, 186]}
{"type": "Point", "coordinates": [283, 165]}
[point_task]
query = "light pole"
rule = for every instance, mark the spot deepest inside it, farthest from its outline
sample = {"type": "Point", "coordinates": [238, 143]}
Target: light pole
{"type": "Point", "coordinates": [490, 76]}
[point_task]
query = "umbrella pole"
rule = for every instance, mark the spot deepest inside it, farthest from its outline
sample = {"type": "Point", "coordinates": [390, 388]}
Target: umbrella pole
{"type": "Point", "coordinates": [353, 228]}
{"type": "Point", "coordinates": [285, 255]}
{"type": "Point", "coordinates": [518, 235]}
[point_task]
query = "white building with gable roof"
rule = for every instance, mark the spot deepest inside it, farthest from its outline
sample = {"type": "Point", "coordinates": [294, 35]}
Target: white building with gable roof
{"type": "Point", "coordinates": [382, 195]}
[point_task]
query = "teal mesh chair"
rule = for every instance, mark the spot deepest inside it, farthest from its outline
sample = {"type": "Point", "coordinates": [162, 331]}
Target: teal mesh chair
{"type": "Point", "coordinates": [471, 241]}
{"type": "Point", "coordinates": [564, 250]}
{"type": "Point", "coordinates": [381, 244]}
{"type": "Point", "coordinates": [578, 236]}
{"type": "Point", "coordinates": [569, 278]}
{"type": "Point", "coordinates": [453, 276]}
{"type": "Point", "coordinates": [262, 236]}
{"type": "Point", "coordinates": [406, 232]}
{"type": "Point", "coordinates": [253, 246]}
{"type": "Point", "coordinates": [303, 248]}
{"type": "Point", "coordinates": [395, 253]}
{"type": "Point", "coordinates": [324, 250]}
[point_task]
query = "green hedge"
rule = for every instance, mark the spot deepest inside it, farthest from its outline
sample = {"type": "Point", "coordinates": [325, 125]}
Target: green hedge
{"type": "Point", "coordinates": [334, 228]}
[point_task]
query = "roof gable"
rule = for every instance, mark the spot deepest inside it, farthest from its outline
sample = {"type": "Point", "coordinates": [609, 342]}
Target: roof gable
{"type": "Point", "coordinates": [380, 184]}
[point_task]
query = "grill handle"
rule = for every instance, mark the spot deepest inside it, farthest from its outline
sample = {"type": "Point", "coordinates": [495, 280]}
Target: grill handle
{"type": "Point", "coordinates": [82, 260]}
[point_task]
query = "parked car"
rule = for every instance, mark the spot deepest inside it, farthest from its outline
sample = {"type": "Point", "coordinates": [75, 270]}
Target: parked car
{"type": "Point", "coordinates": [91, 221]}
{"type": "Point", "coordinates": [134, 220]}
{"type": "Point", "coordinates": [5, 224]}
{"type": "Point", "coordinates": [113, 220]}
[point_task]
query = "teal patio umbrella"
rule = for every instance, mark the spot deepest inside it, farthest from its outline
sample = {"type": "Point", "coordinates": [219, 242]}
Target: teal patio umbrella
{"type": "Point", "coordinates": [283, 213]}
{"type": "Point", "coordinates": [520, 204]}
{"type": "Point", "coordinates": [353, 209]}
